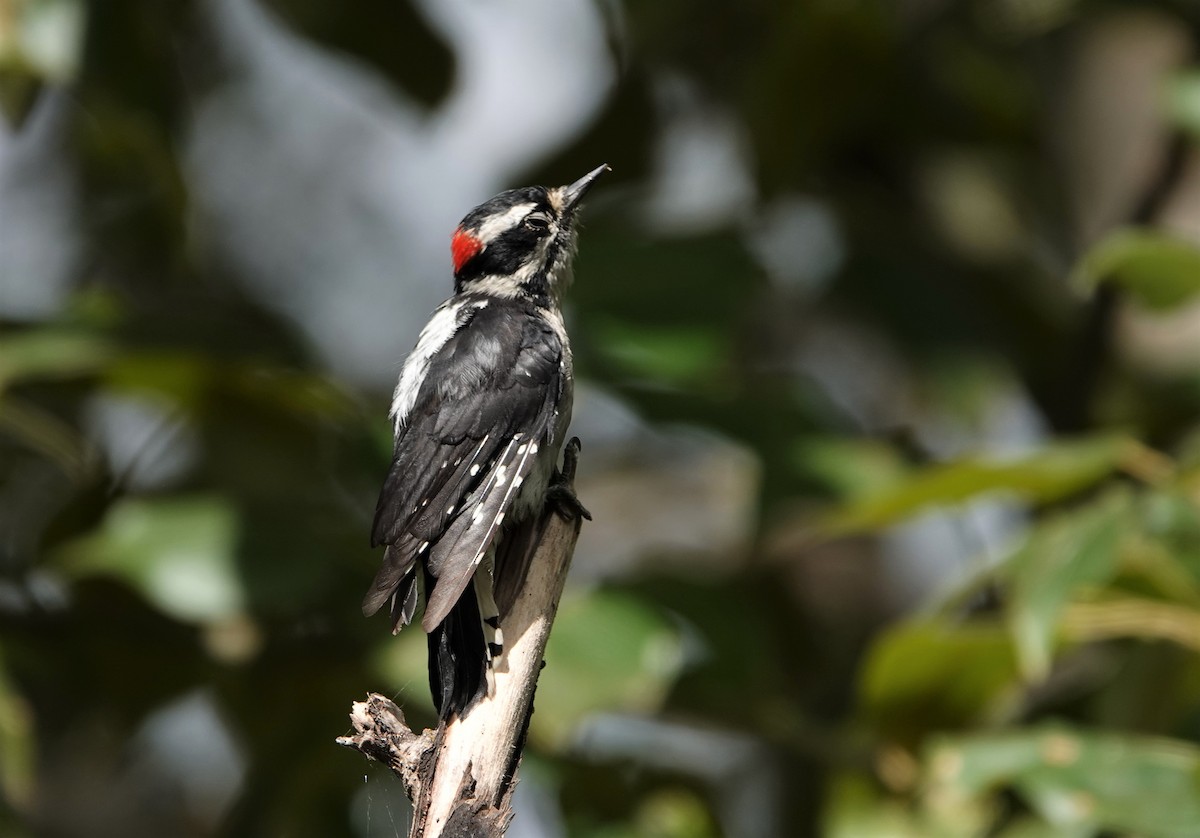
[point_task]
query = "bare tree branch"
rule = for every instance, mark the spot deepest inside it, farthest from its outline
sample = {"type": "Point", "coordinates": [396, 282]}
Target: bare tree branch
{"type": "Point", "coordinates": [461, 777]}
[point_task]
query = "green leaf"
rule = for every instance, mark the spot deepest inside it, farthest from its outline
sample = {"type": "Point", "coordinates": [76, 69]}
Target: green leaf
{"type": "Point", "coordinates": [608, 651]}
{"type": "Point", "coordinates": [187, 377]}
{"type": "Point", "coordinates": [42, 431]}
{"type": "Point", "coordinates": [1144, 785]}
{"type": "Point", "coordinates": [853, 468]}
{"type": "Point", "coordinates": [16, 745]}
{"type": "Point", "coordinates": [180, 376]}
{"type": "Point", "coordinates": [1128, 616]}
{"type": "Point", "coordinates": [1157, 269]}
{"type": "Point", "coordinates": [671, 355]}
{"type": "Point", "coordinates": [1036, 828]}
{"type": "Point", "coordinates": [1061, 556]}
{"type": "Point", "coordinates": [303, 393]}
{"type": "Point", "coordinates": [43, 37]}
{"type": "Point", "coordinates": [674, 813]}
{"type": "Point", "coordinates": [855, 809]}
{"type": "Point", "coordinates": [1054, 472]}
{"type": "Point", "coordinates": [1171, 517]}
{"type": "Point", "coordinates": [928, 674]}
{"type": "Point", "coordinates": [1183, 101]}
{"type": "Point", "coordinates": [179, 553]}
{"type": "Point", "coordinates": [51, 353]}
{"type": "Point", "coordinates": [40, 41]}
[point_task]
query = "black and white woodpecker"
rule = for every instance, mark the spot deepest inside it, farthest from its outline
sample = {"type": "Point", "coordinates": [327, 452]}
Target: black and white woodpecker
{"type": "Point", "coordinates": [479, 413]}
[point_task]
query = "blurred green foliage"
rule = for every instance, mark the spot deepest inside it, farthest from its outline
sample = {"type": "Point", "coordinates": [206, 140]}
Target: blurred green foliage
{"type": "Point", "coordinates": [1158, 271]}
{"type": "Point", "coordinates": [1047, 685]}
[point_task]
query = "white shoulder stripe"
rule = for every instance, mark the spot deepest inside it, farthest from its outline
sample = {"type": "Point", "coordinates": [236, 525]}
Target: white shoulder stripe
{"type": "Point", "coordinates": [441, 327]}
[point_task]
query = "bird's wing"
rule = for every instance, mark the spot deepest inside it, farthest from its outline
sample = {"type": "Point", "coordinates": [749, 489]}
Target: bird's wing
{"type": "Point", "coordinates": [482, 413]}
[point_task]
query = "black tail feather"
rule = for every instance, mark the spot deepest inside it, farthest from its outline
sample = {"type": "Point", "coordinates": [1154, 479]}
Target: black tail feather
{"type": "Point", "coordinates": [396, 572]}
{"type": "Point", "coordinates": [457, 656]}
{"type": "Point", "coordinates": [404, 601]}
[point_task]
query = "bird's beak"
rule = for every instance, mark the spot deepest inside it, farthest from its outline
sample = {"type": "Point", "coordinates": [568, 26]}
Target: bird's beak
{"type": "Point", "coordinates": [573, 194]}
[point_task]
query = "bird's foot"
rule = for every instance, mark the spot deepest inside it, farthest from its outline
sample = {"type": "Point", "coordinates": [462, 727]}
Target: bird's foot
{"type": "Point", "coordinates": [561, 492]}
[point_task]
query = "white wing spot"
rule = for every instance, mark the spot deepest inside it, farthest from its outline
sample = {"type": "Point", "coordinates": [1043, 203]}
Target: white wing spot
{"type": "Point", "coordinates": [450, 509]}
{"type": "Point", "coordinates": [445, 463]}
{"type": "Point", "coordinates": [425, 503]}
{"type": "Point", "coordinates": [476, 515]}
{"type": "Point", "coordinates": [501, 475]}
{"type": "Point", "coordinates": [533, 449]}
{"type": "Point", "coordinates": [499, 517]}
{"type": "Point", "coordinates": [424, 546]}
{"type": "Point", "coordinates": [475, 469]}
{"type": "Point", "coordinates": [517, 481]}
{"type": "Point", "coordinates": [459, 460]}
{"type": "Point", "coordinates": [522, 449]}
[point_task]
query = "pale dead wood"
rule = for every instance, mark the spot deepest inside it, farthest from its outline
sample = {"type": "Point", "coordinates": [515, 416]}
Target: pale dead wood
{"type": "Point", "coordinates": [461, 777]}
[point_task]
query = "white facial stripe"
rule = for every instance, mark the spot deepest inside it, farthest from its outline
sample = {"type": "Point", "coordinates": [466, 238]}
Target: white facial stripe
{"type": "Point", "coordinates": [510, 286]}
{"type": "Point", "coordinates": [496, 225]}
{"type": "Point", "coordinates": [495, 286]}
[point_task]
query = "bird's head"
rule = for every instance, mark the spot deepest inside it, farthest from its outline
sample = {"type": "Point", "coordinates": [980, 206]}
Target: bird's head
{"type": "Point", "coordinates": [520, 243]}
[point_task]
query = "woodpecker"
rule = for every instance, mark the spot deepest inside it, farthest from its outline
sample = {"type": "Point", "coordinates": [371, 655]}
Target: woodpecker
{"type": "Point", "coordinates": [479, 415]}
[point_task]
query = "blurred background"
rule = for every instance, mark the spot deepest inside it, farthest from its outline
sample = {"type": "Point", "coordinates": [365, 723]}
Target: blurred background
{"type": "Point", "coordinates": [889, 336]}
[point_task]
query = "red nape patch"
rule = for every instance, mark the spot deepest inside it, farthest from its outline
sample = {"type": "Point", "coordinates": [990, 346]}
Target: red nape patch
{"type": "Point", "coordinates": [463, 248]}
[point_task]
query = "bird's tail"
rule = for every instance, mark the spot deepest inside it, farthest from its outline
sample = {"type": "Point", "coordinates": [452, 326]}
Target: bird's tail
{"type": "Point", "coordinates": [458, 656]}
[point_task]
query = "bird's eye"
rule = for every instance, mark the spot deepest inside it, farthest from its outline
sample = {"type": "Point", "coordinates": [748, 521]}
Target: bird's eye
{"type": "Point", "coordinates": [537, 223]}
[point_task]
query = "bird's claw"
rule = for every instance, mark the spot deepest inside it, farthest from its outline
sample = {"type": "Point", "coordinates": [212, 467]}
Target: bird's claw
{"type": "Point", "coordinates": [562, 498]}
{"type": "Point", "coordinates": [561, 492]}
